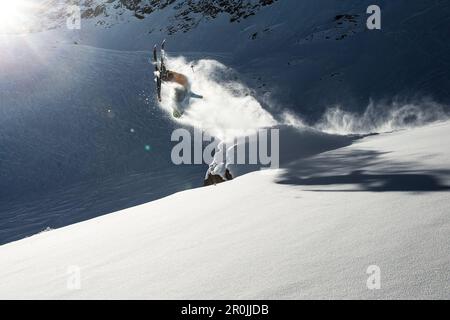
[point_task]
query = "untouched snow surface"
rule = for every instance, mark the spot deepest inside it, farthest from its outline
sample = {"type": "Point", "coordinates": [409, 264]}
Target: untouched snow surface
{"type": "Point", "coordinates": [308, 231]}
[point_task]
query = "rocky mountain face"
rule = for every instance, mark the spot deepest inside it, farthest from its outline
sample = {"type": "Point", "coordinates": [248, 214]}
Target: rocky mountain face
{"type": "Point", "coordinates": [187, 14]}
{"type": "Point", "coordinates": [190, 12]}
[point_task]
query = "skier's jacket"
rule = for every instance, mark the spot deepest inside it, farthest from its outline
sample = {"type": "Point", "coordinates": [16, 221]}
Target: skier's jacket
{"type": "Point", "coordinates": [171, 76]}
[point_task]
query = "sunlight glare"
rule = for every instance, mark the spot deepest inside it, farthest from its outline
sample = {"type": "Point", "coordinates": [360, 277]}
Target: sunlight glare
{"type": "Point", "coordinates": [14, 15]}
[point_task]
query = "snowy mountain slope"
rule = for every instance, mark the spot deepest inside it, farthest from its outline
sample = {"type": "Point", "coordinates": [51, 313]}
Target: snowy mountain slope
{"type": "Point", "coordinates": [306, 55]}
{"type": "Point", "coordinates": [275, 238]}
{"type": "Point", "coordinates": [81, 133]}
{"type": "Point", "coordinates": [180, 15]}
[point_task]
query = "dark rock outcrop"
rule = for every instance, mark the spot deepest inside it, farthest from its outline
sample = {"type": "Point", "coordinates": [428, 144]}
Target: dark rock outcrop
{"type": "Point", "coordinates": [188, 13]}
{"type": "Point", "coordinates": [213, 179]}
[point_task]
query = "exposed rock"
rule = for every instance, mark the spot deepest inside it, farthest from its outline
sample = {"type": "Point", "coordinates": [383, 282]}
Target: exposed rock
{"type": "Point", "coordinates": [338, 28]}
{"type": "Point", "coordinates": [213, 179]}
{"type": "Point", "coordinates": [184, 14]}
{"type": "Point", "coordinates": [191, 12]}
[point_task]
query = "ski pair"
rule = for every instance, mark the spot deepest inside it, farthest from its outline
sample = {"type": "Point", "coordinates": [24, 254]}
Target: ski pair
{"type": "Point", "coordinates": [160, 68]}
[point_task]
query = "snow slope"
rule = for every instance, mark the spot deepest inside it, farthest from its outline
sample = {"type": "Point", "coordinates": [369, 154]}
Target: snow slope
{"type": "Point", "coordinates": [308, 231]}
{"type": "Point", "coordinates": [80, 131]}
{"type": "Point", "coordinates": [80, 135]}
{"type": "Point", "coordinates": [305, 54]}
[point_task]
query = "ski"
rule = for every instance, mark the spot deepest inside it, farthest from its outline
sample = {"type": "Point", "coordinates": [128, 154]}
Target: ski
{"type": "Point", "coordinates": [163, 58]}
{"type": "Point", "coordinates": [157, 73]}
{"type": "Point", "coordinates": [155, 56]}
{"type": "Point", "coordinates": [160, 68]}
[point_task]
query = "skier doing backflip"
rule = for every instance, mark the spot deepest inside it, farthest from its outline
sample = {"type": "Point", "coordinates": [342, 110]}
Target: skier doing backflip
{"type": "Point", "coordinates": [163, 75]}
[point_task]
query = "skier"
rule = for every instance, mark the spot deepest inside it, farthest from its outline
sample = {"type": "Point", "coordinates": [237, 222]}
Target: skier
{"type": "Point", "coordinates": [163, 75]}
{"type": "Point", "coordinates": [181, 79]}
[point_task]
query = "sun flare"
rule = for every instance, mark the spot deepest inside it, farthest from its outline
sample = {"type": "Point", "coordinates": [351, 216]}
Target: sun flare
{"type": "Point", "coordinates": [14, 15]}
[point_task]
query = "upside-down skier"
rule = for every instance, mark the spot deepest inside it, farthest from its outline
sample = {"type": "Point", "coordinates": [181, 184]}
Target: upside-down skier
{"type": "Point", "coordinates": [163, 75]}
